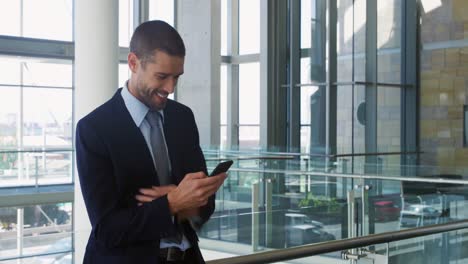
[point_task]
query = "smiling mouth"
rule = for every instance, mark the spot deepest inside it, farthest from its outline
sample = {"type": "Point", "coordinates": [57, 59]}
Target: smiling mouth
{"type": "Point", "coordinates": [162, 95]}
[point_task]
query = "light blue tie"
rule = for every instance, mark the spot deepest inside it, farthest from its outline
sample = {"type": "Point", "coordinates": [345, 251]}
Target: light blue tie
{"type": "Point", "coordinates": [158, 146]}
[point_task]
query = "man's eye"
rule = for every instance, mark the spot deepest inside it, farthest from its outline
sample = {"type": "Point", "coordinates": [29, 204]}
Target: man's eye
{"type": "Point", "coordinates": [161, 77]}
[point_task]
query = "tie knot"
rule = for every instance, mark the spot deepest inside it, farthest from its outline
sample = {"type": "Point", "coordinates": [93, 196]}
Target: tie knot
{"type": "Point", "coordinates": [154, 118]}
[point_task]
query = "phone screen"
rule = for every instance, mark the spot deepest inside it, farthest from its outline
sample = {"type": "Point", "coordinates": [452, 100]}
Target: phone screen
{"type": "Point", "coordinates": [222, 167]}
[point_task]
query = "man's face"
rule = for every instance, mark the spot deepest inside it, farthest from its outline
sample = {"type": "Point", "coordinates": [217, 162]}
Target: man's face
{"type": "Point", "coordinates": [152, 82]}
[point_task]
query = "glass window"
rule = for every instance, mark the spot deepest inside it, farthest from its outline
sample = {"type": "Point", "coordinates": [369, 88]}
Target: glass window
{"type": "Point", "coordinates": [308, 97]}
{"type": "Point", "coordinates": [44, 73]}
{"type": "Point", "coordinates": [48, 121]}
{"type": "Point", "coordinates": [224, 27]}
{"type": "Point", "coordinates": [305, 139]}
{"type": "Point", "coordinates": [249, 26]}
{"type": "Point", "coordinates": [389, 120]}
{"type": "Point", "coordinates": [223, 136]}
{"type": "Point", "coordinates": [249, 105]}
{"type": "Point", "coordinates": [35, 16]}
{"type": "Point", "coordinates": [38, 15]}
{"type": "Point", "coordinates": [125, 22]}
{"type": "Point", "coordinates": [249, 93]}
{"type": "Point", "coordinates": [162, 10]}
{"type": "Point", "coordinates": [223, 95]}
{"type": "Point", "coordinates": [10, 69]}
{"type": "Point", "coordinates": [10, 19]}
{"type": "Point", "coordinates": [124, 74]}
{"type": "Point", "coordinates": [29, 168]}
{"type": "Point", "coordinates": [46, 229]}
{"type": "Point", "coordinates": [9, 118]}
{"type": "Point", "coordinates": [389, 41]}
{"type": "Point", "coordinates": [306, 20]}
{"type": "Point", "coordinates": [344, 124]}
{"type": "Point", "coordinates": [249, 137]}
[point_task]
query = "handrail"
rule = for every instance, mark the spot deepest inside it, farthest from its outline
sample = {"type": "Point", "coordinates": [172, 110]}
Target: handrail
{"type": "Point", "coordinates": [376, 154]}
{"type": "Point", "coordinates": [339, 245]}
{"type": "Point", "coordinates": [40, 150]}
{"type": "Point", "coordinates": [208, 151]}
{"type": "Point", "coordinates": [355, 176]}
{"type": "Point", "coordinates": [253, 158]}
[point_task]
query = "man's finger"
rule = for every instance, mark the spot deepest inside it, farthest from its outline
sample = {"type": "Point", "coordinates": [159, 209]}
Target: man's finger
{"type": "Point", "coordinates": [196, 175]}
{"type": "Point", "coordinates": [213, 180]}
{"type": "Point", "coordinates": [144, 198]}
{"type": "Point", "coordinates": [150, 192]}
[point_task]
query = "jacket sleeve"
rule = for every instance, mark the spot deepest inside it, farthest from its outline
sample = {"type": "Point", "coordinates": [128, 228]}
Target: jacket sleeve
{"type": "Point", "coordinates": [113, 224]}
{"type": "Point", "coordinates": [197, 160]}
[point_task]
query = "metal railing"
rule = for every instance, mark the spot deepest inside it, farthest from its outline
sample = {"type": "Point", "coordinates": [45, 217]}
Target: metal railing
{"type": "Point", "coordinates": [340, 245]}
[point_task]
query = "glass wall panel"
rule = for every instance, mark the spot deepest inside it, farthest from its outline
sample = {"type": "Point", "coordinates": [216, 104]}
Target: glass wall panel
{"type": "Point", "coordinates": [224, 27]}
{"type": "Point", "coordinates": [223, 136]}
{"type": "Point", "coordinates": [249, 93]}
{"type": "Point", "coordinates": [360, 31]}
{"type": "Point", "coordinates": [307, 10]}
{"type": "Point", "coordinates": [10, 69]}
{"type": "Point", "coordinates": [344, 43]}
{"type": "Point", "coordinates": [311, 118]}
{"type": "Point", "coordinates": [125, 22]}
{"type": "Point", "coordinates": [10, 18]}
{"type": "Point", "coordinates": [359, 119]}
{"type": "Point", "coordinates": [34, 16]}
{"type": "Point", "coordinates": [249, 26]}
{"type": "Point", "coordinates": [47, 73]}
{"type": "Point", "coordinates": [54, 15]}
{"type": "Point", "coordinates": [344, 124]}
{"type": "Point", "coordinates": [389, 41]}
{"type": "Point", "coordinates": [48, 121]}
{"type": "Point", "coordinates": [9, 119]}
{"type": "Point", "coordinates": [35, 168]}
{"type": "Point", "coordinates": [223, 101]}
{"type": "Point", "coordinates": [162, 10]}
{"type": "Point", "coordinates": [249, 137]}
{"type": "Point", "coordinates": [389, 123]}
{"type": "Point", "coordinates": [305, 138]}
{"type": "Point", "coordinates": [124, 74]}
{"type": "Point", "coordinates": [45, 229]}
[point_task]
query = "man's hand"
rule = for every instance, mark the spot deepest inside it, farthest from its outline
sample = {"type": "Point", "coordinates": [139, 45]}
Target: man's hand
{"type": "Point", "coordinates": [193, 192]}
{"type": "Point", "coordinates": [150, 194]}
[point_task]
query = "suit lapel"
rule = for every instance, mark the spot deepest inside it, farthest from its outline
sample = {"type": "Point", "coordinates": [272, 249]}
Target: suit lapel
{"type": "Point", "coordinates": [134, 143]}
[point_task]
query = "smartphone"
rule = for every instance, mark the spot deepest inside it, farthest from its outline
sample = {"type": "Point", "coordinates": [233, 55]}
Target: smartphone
{"type": "Point", "coordinates": [222, 167]}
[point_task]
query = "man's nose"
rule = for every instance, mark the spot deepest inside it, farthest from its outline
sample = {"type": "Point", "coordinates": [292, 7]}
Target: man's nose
{"type": "Point", "coordinates": [169, 87]}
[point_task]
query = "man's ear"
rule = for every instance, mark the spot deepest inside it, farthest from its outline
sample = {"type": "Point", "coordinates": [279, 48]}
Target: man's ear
{"type": "Point", "coordinates": [133, 62]}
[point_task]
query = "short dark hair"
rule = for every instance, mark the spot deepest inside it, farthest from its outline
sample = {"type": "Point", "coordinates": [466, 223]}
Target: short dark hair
{"type": "Point", "coordinates": [156, 35]}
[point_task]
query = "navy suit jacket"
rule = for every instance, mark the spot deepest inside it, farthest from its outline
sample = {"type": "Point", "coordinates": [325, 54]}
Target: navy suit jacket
{"type": "Point", "coordinates": [113, 162]}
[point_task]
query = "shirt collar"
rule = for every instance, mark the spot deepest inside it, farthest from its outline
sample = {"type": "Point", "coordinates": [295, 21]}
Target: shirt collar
{"type": "Point", "coordinates": [136, 108]}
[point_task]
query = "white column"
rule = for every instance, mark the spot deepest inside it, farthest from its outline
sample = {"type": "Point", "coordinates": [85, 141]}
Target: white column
{"type": "Point", "coordinates": [96, 80]}
{"type": "Point", "coordinates": [199, 24]}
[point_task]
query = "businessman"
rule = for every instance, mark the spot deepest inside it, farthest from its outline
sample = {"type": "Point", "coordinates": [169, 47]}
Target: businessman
{"type": "Point", "coordinates": [141, 169]}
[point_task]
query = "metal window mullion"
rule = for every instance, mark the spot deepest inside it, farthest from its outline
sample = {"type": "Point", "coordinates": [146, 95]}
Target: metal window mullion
{"type": "Point", "coordinates": [409, 75]}
{"type": "Point", "coordinates": [140, 12]}
{"type": "Point", "coordinates": [294, 118]}
{"type": "Point", "coordinates": [371, 80]}
{"type": "Point", "coordinates": [20, 132]}
{"type": "Point", "coordinates": [331, 78]}
{"type": "Point", "coordinates": [233, 75]}
{"type": "Point", "coordinates": [247, 58]}
{"type": "Point", "coordinates": [176, 13]}
{"type": "Point", "coordinates": [36, 86]}
{"type": "Point", "coordinates": [21, 18]}
{"type": "Point", "coordinates": [37, 48]}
